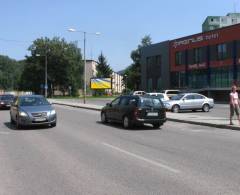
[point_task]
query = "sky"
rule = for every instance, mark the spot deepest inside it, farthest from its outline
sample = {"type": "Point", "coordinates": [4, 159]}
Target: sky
{"type": "Point", "coordinates": [122, 23]}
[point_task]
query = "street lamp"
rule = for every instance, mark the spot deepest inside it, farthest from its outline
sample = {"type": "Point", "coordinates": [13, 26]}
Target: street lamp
{"type": "Point", "coordinates": [46, 82]}
{"type": "Point", "coordinates": [84, 56]}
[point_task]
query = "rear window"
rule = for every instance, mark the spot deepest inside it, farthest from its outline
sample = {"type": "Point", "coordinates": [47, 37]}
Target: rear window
{"type": "Point", "coordinates": [6, 97]}
{"type": "Point", "coordinates": [151, 102]}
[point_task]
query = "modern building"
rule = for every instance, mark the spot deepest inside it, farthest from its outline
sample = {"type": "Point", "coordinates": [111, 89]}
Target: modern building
{"type": "Point", "coordinates": [117, 83]}
{"type": "Point", "coordinates": [155, 69]}
{"type": "Point", "coordinates": [207, 62]}
{"type": "Point", "coordinates": [215, 22]}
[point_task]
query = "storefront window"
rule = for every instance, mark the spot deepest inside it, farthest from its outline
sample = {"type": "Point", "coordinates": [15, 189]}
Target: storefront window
{"type": "Point", "coordinates": [221, 77]}
{"type": "Point", "coordinates": [222, 51]}
{"type": "Point", "coordinates": [179, 56]}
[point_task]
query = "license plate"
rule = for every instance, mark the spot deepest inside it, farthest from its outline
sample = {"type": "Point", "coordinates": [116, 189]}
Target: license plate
{"type": "Point", "coordinates": [152, 114]}
{"type": "Point", "coordinates": [39, 119]}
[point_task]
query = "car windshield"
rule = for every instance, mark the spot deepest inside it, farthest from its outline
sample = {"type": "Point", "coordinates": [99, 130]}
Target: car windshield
{"type": "Point", "coordinates": [33, 101]}
{"type": "Point", "coordinates": [177, 97]}
{"type": "Point", "coordinates": [6, 97]}
{"type": "Point", "coordinates": [151, 102]}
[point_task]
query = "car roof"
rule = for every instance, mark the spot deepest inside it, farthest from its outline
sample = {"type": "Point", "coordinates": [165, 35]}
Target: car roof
{"type": "Point", "coordinates": [23, 96]}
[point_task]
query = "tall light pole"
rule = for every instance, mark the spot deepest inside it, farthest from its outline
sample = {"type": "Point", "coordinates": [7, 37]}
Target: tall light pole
{"type": "Point", "coordinates": [46, 72]}
{"type": "Point", "coordinates": [84, 56]}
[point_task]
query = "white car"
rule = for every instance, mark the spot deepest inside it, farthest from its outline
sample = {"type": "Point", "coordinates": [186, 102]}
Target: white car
{"type": "Point", "coordinates": [189, 101]}
{"type": "Point", "coordinates": [139, 93]}
{"type": "Point", "coordinates": [162, 96]}
{"type": "Point", "coordinates": [171, 92]}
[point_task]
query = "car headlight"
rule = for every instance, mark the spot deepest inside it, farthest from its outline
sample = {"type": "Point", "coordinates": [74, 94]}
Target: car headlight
{"type": "Point", "coordinates": [21, 113]}
{"type": "Point", "coordinates": [2, 102]}
{"type": "Point", "coordinates": [52, 112]}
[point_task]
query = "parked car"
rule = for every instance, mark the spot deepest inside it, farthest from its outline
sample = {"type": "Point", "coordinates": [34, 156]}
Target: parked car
{"type": "Point", "coordinates": [189, 101]}
{"type": "Point", "coordinates": [132, 110]}
{"type": "Point", "coordinates": [6, 101]}
{"type": "Point", "coordinates": [171, 92]}
{"type": "Point", "coordinates": [138, 93]}
{"type": "Point", "coordinates": [162, 96]}
{"type": "Point", "coordinates": [32, 110]}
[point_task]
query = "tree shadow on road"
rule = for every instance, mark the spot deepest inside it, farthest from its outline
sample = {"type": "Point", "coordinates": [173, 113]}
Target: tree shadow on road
{"type": "Point", "coordinates": [13, 127]}
{"type": "Point", "coordinates": [134, 128]}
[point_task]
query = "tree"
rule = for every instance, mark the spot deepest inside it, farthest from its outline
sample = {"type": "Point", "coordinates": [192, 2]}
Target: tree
{"type": "Point", "coordinates": [133, 72]}
{"type": "Point", "coordinates": [64, 66]}
{"type": "Point", "coordinates": [10, 71]}
{"type": "Point", "coordinates": [103, 68]}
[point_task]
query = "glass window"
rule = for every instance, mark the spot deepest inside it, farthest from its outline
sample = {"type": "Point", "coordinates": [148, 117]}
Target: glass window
{"type": "Point", "coordinates": [197, 55]}
{"type": "Point", "coordinates": [116, 101]}
{"type": "Point", "coordinates": [33, 101]}
{"type": "Point", "coordinates": [189, 97]}
{"type": "Point", "coordinates": [124, 101]}
{"type": "Point", "coordinates": [198, 97]}
{"type": "Point", "coordinates": [179, 58]}
{"type": "Point", "coordinates": [222, 51]}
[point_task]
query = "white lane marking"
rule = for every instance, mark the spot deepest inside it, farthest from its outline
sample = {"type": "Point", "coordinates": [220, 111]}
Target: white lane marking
{"type": "Point", "coordinates": [142, 158]}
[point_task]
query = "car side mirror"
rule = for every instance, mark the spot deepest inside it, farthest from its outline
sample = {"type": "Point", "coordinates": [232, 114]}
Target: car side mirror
{"type": "Point", "coordinates": [184, 99]}
{"type": "Point", "coordinates": [109, 104]}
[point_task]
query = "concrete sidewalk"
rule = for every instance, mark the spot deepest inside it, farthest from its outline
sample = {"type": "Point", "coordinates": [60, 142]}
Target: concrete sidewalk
{"type": "Point", "coordinates": [206, 120]}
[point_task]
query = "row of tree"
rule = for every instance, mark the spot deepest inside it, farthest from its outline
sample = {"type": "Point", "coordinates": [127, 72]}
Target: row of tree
{"type": "Point", "coordinates": [64, 68]}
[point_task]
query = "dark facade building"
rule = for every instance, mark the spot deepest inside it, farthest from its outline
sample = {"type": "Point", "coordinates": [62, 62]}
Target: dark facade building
{"type": "Point", "coordinates": [207, 62]}
{"type": "Point", "coordinates": [155, 69]}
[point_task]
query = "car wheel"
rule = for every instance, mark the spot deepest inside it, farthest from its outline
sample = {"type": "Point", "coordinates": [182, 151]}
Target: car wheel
{"type": "Point", "coordinates": [53, 124]}
{"type": "Point", "coordinates": [175, 108]}
{"type": "Point", "coordinates": [104, 117]}
{"type": "Point", "coordinates": [126, 122]}
{"type": "Point", "coordinates": [206, 108]}
{"type": "Point", "coordinates": [18, 125]}
{"type": "Point", "coordinates": [156, 125]}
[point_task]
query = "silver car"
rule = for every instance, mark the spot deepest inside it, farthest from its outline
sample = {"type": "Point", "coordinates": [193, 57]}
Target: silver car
{"type": "Point", "coordinates": [32, 110]}
{"type": "Point", "coordinates": [189, 101]}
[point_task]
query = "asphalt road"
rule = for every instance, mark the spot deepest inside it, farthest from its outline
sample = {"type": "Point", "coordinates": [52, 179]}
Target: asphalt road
{"type": "Point", "coordinates": [83, 156]}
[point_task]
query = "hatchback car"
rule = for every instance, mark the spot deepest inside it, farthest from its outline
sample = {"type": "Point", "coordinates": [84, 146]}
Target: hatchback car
{"type": "Point", "coordinates": [189, 101]}
{"type": "Point", "coordinates": [133, 110]}
{"type": "Point", "coordinates": [6, 101]}
{"type": "Point", "coordinates": [32, 110]}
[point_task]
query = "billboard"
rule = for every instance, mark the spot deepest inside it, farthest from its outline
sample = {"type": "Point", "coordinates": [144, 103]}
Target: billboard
{"type": "Point", "coordinates": [101, 83]}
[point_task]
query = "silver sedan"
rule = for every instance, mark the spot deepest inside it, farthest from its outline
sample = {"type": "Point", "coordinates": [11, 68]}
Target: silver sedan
{"type": "Point", "coordinates": [32, 110]}
{"type": "Point", "coordinates": [189, 101]}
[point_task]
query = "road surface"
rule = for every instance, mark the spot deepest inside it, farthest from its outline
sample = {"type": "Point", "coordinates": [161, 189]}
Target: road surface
{"type": "Point", "coordinates": [83, 156]}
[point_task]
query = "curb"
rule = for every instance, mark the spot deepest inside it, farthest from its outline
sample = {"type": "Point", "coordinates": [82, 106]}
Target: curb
{"type": "Point", "coordinates": [205, 124]}
{"type": "Point", "coordinates": [76, 106]}
{"type": "Point", "coordinates": [169, 119]}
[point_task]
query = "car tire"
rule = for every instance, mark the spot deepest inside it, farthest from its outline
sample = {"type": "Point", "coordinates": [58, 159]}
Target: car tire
{"type": "Point", "coordinates": [53, 124]}
{"type": "Point", "coordinates": [104, 117]}
{"type": "Point", "coordinates": [205, 108]}
{"type": "Point", "coordinates": [175, 108]}
{"type": "Point", "coordinates": [156, 125]}
{"type": "Point", "coordinates": [126, 122]}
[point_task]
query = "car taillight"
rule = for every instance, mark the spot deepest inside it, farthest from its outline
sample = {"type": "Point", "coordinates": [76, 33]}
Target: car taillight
{"type": "Point", "coordinates": [136, 112]}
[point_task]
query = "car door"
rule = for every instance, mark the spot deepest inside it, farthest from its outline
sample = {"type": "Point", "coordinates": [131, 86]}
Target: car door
{"type": "Point", "coordinates": [199, 100]}
{"type": "Point", "coordinates": [187, 102]}
{"type": "Point", "coordinates": [123, 108]}
{"type": "Point", "coordinates": [113, 109]}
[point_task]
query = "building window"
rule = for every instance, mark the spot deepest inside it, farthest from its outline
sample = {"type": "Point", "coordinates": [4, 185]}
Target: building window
{"type": "Point", "coordinates": [197, 55]}
{"type": "Point", "coordinates": [158, 60]}
{"type": "Point", "coordinates": [179, 58]}
{"type": "Point", "coordinates": [222, 51]}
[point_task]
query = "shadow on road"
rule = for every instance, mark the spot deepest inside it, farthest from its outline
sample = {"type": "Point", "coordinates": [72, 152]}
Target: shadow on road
{"type": "Point", "coordinates": [135, 128]}
{"type": "Point", "coordinates": [13, 127]}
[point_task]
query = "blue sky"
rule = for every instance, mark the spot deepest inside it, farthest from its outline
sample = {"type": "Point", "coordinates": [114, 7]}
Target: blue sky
{"type": "Point", "coordinates": [122, 23]}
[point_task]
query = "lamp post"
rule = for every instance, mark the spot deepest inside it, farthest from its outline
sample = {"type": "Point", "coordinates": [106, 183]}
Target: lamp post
{"type": "Point", "coordinates": [46, 73]}
{"type": "Point", "coordinates": [84, 56]}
